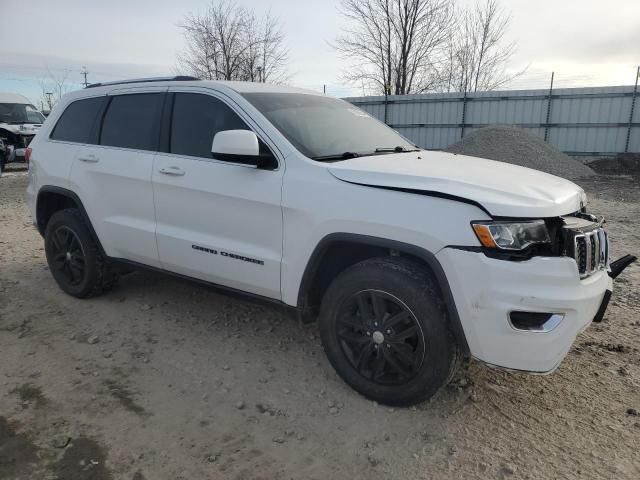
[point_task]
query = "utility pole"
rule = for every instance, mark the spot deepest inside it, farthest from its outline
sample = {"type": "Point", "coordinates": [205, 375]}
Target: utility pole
{"type": "Point", "coordinates": [49, 101]}
{"type": "Point", "coordinates": [260, 78]}
{"type": "Point", "coordinates": [548, 118]}
{"type": "Point", "coordinates": [85, 73]}
{"type": "Point", "coordinates": [633, 107]}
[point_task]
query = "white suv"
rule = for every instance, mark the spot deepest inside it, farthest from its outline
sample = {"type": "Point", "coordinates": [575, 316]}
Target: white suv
{"type": "Point", "coordinates": [409, 260]}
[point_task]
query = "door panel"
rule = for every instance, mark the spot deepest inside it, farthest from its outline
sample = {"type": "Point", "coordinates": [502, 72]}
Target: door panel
{"type": "Point", "coordinates": [114, 180]}
{"type": "Point", "coordinates": [115, 187]}
{"type": "Point", "coordinates": [220, 222]}
{"type": "Point", "coordinates": [216, 221]}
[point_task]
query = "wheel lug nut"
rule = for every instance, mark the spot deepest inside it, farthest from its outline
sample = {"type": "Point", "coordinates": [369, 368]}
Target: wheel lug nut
{"type": "Point", "coordinates": [369, 333]}
{"type": "Point", "coordinates": [388, 332]}
{"type": "Point", "coordinates": [375, 324]}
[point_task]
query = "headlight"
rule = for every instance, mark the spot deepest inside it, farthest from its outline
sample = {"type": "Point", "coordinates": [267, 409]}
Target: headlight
{"type": "Point", "coordinates": [511, 235]}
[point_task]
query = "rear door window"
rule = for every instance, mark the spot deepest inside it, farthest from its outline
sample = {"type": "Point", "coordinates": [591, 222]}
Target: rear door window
{"type": "Point", "coordinates": [133, 121]}
{"type": "Point", "coordinates": [77, 121]}
{"type": "Point", "coordinates": [195, 121]}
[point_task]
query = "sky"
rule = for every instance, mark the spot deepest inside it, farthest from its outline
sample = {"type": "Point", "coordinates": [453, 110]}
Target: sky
{"type": "Point", "coordinates": [586, 42]}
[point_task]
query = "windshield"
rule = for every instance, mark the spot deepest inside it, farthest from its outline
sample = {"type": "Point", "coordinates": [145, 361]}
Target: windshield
{"type": "Point", "coordinates": [327, 128]}
{"type": "Point", "coordinates": [19, 113]}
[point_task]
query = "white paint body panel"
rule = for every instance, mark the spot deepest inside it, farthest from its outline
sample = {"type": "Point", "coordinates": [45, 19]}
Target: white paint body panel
{"type": "Point", "coordinates": [117, 194]}
{"type": "Point", "coordinates": [503, 189]}
{"type": "Point", "coordinates": [207, 207]}
{"type": "Point", "coordinates": [279, 217]}
{"type": "Point", "coordinates": [486, 290]}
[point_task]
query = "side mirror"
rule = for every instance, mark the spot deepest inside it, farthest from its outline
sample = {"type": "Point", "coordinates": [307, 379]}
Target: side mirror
{"type": "Point", "coordinates": [240, 146]}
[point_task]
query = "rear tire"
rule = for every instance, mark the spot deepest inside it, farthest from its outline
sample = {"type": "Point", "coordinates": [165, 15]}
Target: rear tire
{"type": "Point", "coordinates": [384, 329]}
{"type": "Point", "coordinates": [74, 258]}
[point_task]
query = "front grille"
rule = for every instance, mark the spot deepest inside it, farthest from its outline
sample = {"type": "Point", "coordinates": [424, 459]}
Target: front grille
{"type": "Point", "coordinates": [591, 251]}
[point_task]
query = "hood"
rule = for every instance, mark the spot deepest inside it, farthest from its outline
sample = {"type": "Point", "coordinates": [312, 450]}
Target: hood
{"type": "Point", "coordinates": [21, 128]}
{"type": "Point", "coordinates": [502, 189]}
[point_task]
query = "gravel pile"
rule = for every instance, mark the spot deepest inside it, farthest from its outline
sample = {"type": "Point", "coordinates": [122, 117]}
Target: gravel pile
{"type": "Point", "coordinates": [516, 146]}
{"type": "Point", "coordinates": [623, 164]}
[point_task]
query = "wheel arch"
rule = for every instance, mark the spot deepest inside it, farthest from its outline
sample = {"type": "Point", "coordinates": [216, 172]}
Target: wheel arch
{"type": "Point", "coordinates": [52, 199]}
{"type": "Point", "coordinates": [338, 251]}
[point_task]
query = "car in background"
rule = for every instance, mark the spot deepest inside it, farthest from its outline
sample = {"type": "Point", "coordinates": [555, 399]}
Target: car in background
{"type": "Point", "coordinates": [19, 123]}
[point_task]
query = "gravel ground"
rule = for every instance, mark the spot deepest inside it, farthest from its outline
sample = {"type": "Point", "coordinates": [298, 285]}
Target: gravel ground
{"type": "Point", "coordinates": [165, 379]}
{"type": "Point", "coordinates": [517, 146]}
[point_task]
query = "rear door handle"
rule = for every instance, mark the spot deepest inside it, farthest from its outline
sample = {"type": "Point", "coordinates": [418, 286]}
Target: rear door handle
{"type": "Point", "coordinates": [176, 171]}
{"type": "Point", "coordinates": [89, 159]}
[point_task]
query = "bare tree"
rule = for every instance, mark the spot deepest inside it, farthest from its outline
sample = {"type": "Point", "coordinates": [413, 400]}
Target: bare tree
{"type": "Point", "coordinates": [53, 87]}
{"type": "Point", "coordinates": [265, 57]}
{"type": "Point", "coordinates": [228, 42]}
{"type": "Point", "coordinates": [396, 45]}
{"type": "Point", "coordinates": [477, 55]}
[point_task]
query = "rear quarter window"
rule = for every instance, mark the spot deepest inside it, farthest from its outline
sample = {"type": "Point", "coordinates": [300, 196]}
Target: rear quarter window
{"type": "Point", "coordinates": [77, 121]}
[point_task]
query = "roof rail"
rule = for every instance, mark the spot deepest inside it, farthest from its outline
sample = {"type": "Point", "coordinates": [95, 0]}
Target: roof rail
{"type": "Point", "coordinates": [177, 78]}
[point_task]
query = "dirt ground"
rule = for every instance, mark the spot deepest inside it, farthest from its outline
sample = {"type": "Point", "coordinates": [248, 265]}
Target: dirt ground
{"type": "Point", "coordinates": [166, 379]}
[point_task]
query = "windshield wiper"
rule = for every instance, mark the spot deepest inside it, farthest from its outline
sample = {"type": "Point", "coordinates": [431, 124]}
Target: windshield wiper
{"type": "Point", "coordinates": [337, 156]}
{"type": "Point", "coordinates": [397, 149]}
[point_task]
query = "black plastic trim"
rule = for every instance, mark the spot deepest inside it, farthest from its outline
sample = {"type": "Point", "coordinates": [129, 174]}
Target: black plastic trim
{"type": "Point", "coordinates": [315, 261]}
{"type": "Point", "coordinates": [263, 162]}
{"type": "Point", "coordinates": [603, 307]}
{"type": "Point", "coordinates": [69, 194]}
{"type": "Point", "coordinates": [619, 265]}
{"type": "Point", "coordinates": [96, 130]}
{"type": "Point", "coordinates": [177, 78]}
{"type": "Point", "coordinates": [165, 123]}
{"type": "Point", "coordinates": [232, 292]}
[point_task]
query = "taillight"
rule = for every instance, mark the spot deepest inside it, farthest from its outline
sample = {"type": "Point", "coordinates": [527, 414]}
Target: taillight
{"type": "Point", "coordinates": [27, 155]}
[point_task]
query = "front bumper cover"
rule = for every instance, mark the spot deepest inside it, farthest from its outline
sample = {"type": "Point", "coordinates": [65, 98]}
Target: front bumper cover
{"type": "Point", "coordinates": [486, 290]}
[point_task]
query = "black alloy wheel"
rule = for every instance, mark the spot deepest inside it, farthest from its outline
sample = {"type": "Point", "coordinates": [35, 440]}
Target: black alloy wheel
{"type": "Point", "coordinates": [68, 257]}
{"type": "Point", "coordinates": [74, 257]}
{"type": "Point", "coordinates": [381, 337]}
{"type": "Point", "coordinates": [385, 330]}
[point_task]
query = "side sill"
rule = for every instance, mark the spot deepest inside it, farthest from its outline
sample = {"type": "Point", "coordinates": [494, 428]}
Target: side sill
{"type": "Point", "coordinates": [293, 312]}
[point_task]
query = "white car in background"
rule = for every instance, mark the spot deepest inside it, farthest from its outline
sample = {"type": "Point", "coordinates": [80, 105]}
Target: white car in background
{"type": "Point", "coordinates": [19, 123]}
{"type": "Point", "coordinates": [410, 260]}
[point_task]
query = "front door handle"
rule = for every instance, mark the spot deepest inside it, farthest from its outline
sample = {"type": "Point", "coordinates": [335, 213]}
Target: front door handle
{"type": "Point", "coordinates": [176, 171]}
{"type": "Point", "coordinates": [89, 159]}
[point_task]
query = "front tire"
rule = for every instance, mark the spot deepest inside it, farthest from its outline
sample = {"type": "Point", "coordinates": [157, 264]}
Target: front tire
{"type": "Point", "coordinates": [74, 258]}
{"type": "Point", "coordinates": [384, 329]}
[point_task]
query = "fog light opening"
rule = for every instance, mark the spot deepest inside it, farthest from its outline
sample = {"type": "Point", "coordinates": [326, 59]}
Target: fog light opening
{"type": "Point", "coordinates": [540, 322]}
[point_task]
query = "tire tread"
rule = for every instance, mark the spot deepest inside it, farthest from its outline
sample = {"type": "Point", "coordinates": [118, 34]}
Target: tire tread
{"type": "Point", "coordinates": [104, 277]}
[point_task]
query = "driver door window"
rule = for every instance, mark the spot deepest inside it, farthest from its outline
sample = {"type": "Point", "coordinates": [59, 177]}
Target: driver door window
{"type": "Point", "coordinates": [195, 121]}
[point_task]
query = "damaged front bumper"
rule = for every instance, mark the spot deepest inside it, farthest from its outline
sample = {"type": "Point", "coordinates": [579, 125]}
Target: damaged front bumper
{"type": "Point", "coordinates": [525, 315]}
